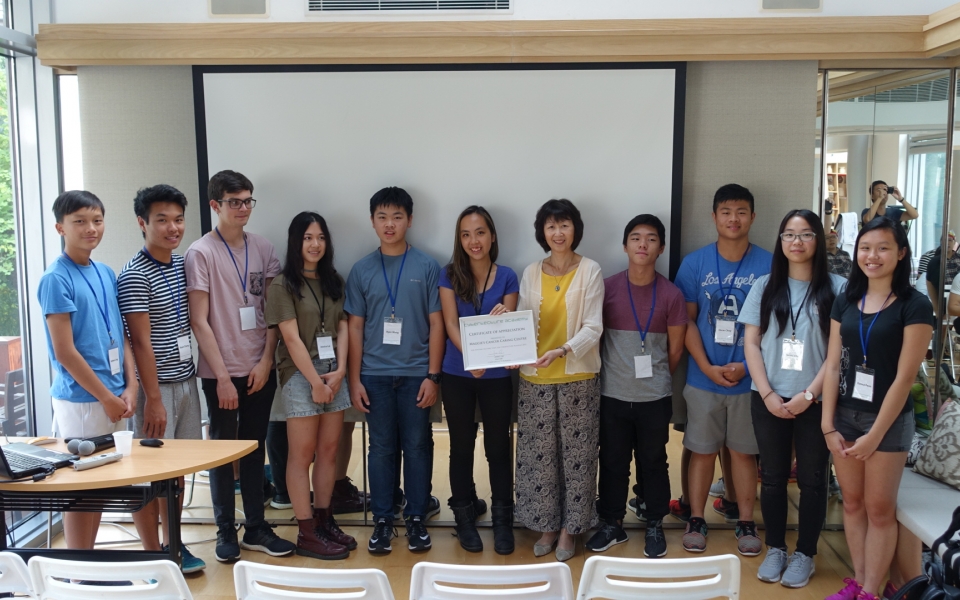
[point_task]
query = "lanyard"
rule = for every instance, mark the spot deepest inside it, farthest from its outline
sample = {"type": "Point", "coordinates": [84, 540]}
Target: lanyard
{"type": "Point", "coordinates": [794, 319]}
{"type": "Point", "coordinates": [864, 342]}
{"type": "Point", "coordinates": [246, 265]}
{"type": "Point", "coordinates": [322, 305]}
{"type": "Point", "coordinates": [169, 288]}
{"type": "Point", "coordinates": [479, 307]}
{"type": "Point", "coordinates": [644, 331]}
{"type": "Point", "coordinates": [733, 281]}
{"type": "Point", "coordinates": [103, 309]}
{"type": "Point", "coordinates": [392, 292]}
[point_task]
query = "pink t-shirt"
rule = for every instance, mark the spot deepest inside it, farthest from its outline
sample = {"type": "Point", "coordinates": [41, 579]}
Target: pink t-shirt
{"type": "Point", "coordinates": [210, 269]}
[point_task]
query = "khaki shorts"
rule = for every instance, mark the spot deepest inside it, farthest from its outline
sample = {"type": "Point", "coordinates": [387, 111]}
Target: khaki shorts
{"type": "Point", "coordinates": [82, 420]}
{"type": "Point", "coordinates": [718, 420]}
{"type": "Point", "coordinates": [181, 400]}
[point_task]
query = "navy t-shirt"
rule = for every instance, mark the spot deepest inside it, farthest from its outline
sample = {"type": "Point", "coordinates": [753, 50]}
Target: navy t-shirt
{"type": "Point", "coordinates": [504, 282]}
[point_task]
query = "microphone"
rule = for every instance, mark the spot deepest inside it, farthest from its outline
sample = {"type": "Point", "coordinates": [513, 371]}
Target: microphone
{"type": "Point", "coordinates": [86, 447]}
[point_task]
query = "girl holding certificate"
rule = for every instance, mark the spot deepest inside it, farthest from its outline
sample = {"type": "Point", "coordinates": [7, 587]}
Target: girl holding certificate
{"type": "Point", "coordinates": [559, 403]}
{"type": "Point", "coordinates": [879, 332]}
{"type": "Point", "coordinates": [306, 303]}
{"type": "Point", "coordinates": [474, 284]}
{"type": "Point", "coordinates": [787, 323]}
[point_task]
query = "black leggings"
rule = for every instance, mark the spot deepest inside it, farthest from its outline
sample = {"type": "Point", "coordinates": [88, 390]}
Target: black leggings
{"type": "Point", "coordinates": [460, 398]}
{"type": "Point", "coordinates": [776, 438]}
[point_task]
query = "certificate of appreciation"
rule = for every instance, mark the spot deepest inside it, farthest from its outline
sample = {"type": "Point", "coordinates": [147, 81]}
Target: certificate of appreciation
{"type": "Point", "coordinates": [498, 341]}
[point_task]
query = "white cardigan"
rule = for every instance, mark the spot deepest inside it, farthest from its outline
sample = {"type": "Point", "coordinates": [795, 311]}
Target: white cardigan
{"type": "Point", "coordinates": [584, 314]}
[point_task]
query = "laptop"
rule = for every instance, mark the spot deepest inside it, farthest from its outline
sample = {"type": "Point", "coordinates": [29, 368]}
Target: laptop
{"type": "Point", "coordinates": [18, 460]}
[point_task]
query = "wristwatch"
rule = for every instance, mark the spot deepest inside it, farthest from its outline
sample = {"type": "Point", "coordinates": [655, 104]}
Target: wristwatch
{"type": "Point", "coordinates": [808, 396]}
{"type": "Point", "coordinates": [435, 377]}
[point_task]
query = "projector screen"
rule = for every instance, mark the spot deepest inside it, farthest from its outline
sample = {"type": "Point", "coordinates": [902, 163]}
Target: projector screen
{"type": "Point", "coordinates": [508, 137]}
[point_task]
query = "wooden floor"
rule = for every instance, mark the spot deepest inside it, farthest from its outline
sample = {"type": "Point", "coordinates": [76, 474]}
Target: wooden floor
{"type": "Point", "coordinates": [216, 582]}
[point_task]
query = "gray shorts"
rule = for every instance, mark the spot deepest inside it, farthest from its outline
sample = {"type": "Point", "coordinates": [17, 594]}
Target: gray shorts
{"type": "Point", "coordinates": [718, 420]}
{"type": "Point", "coordinates": [181, 400]}
{"type": "Point", "coordinates": [297, 397]}
{"type": "Point", "coordinates": [853, 424]}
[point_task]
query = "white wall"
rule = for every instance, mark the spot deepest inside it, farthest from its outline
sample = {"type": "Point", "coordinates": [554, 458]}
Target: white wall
{"type": "Point", "coordinates": [195, 11]}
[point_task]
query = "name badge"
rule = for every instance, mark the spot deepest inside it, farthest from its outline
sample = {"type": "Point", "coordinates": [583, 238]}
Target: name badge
{"type": "Point", "coordinates": [183, 347]}
{"type": "Point", "coordinates": [392, 330]}
{"type": "Point", "coordinates": [114, 354]}
{"type": "Point", "coordinates": [325, 347]}
{"type": "Point", "coordinates": [248, 318]}
{"type": "Point", "coordinates": [643, 365]}
{"type": "Point", "coordinates": [791, 359]}
{"type": "Point", "coordinates": [726, 331]}
{"type": "Point", "coordinates": [863, 384]}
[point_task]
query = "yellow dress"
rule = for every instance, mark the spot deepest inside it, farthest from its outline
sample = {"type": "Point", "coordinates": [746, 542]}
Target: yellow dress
{"type": "Point", "coordinates": [552, 330]}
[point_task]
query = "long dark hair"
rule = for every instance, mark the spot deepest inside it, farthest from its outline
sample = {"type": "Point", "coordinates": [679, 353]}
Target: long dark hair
{"type": "Point", "coordinates": [331, 283]}
{"type": "Point", "coordinates": [458, 271]}
{"type": "Point", "coordinates": [776, 296]}
{"type": "Point", "coordinates": [858, 283]}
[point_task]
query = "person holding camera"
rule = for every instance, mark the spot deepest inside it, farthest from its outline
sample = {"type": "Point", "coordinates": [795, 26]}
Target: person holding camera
{"type": "Point", "coordinates": [880, 192]}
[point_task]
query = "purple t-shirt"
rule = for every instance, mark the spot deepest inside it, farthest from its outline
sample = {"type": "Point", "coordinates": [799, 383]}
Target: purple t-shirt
{"type": "Point", "coordinates": [504, 282]}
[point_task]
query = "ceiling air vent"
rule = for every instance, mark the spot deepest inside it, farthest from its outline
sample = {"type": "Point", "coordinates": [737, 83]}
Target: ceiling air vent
{"type": "Point", "coordinates": [329, 6]}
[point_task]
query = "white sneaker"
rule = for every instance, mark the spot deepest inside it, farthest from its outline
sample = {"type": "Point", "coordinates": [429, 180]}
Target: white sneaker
{"type": "Point", "coordinates": [718, 489]}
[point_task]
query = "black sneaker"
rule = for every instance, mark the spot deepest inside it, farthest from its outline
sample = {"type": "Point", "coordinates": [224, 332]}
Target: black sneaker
{"type": "Point", "coordinates": [281, 501]}
{"type": "Point", "coordinates": [263, 539]}
{"type": "Point", "coordinates": [227, 547]}
{"type": "Point", "coordinates": [418, 540]}
{"type": "Point", "coordinates": [655, 544]}
{"type": "Point", "coordinates": [433, 507]}
{"type": "Point", "coordinates": [379, 542]}
{"type": "Point", "coordinates": [610, 534]}
{"type": "Point", "coordinates": [637, 505]}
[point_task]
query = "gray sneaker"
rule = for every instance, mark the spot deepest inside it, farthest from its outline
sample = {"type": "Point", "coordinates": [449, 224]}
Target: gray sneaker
{"type": "Point", "coordinates": [799, 570]}
{"type": "Point", "coordinates": [773, 565]}
{"type": "Point", "coordinates": [718, 489]}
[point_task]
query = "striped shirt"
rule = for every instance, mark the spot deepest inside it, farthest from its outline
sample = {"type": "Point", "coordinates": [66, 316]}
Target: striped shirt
{"type": "Point", "coordinates": [141, 287]}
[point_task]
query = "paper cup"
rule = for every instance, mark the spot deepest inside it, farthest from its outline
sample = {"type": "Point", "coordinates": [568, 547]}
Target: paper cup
{"type": "Point", "coordinates": [124, 442]}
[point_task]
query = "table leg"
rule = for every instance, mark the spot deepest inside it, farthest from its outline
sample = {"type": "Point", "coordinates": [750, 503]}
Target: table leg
{"type": "Point", "coordinates": [173, 519]}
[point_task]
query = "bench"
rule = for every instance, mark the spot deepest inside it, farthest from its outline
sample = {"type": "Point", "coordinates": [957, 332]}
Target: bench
{"type": "Point", "coordinates": [925, 506]}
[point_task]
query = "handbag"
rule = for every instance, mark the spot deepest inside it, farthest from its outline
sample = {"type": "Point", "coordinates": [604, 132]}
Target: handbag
{"type": "Point", "coordinates": [938, 583]}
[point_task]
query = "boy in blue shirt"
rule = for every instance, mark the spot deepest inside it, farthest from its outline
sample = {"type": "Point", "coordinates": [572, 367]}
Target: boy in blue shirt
{"type": "Point", "coordinates": [396, 349]}
{"type": "Point", "coordinates": [715, 281]}
{"type": "Point", "coordinates": [95, 383]}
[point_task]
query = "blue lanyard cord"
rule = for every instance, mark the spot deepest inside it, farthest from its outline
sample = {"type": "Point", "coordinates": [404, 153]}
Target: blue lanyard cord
{"type": "Point", "coordinates": [146, 252]}
{"type": "Point", "coordinates": [103, 309]}
{"type": "Point", "coordinates": [246, 266]}
{"type": "Point", "coordinates": [392, 292]}
{"type": "Point", "coordinates": [865, 341]}
{"type": "Point", "coordinates": [645, 330]}
{"type": "Point", "coordinates": [733, 281]}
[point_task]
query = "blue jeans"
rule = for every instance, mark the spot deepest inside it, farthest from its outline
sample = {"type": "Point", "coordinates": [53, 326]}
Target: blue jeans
{"type": "Point", "coordinates": [393, 414]}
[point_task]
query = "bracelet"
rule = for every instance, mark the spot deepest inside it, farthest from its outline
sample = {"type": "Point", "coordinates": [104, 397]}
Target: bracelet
{"type": "Point", "coordinates": [829, 432]}
{"type": "Point", "coordinates": [563, 349]}
{"type": "Point", "coordinates": [767, 394]}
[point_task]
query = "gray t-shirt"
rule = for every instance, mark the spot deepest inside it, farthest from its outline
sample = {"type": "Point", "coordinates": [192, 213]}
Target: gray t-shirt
{"type": "Point", "coordinates": [790, 383]}
{"type": "Point", "coordinates": [417, 296]}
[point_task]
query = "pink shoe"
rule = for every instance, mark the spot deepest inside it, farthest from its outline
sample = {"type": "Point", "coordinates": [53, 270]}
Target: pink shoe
{"type": "Point", "coordinates": [850, 591]}
{"type": "Point", "coordinates": [889, 591]}
{"type": "Point", "coordinates": [865, 595]}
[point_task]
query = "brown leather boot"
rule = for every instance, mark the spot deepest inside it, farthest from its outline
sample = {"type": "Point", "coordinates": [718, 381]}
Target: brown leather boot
{"type": "Point", "coordinates": [328, 527]}
{"type": "Point", "coordinates": [311, 542]}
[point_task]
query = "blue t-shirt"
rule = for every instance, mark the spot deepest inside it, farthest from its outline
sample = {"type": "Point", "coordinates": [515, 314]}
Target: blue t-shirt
{"type": "Point", "coordinates": [417, 297]}
{"type": "Point", "coordinates": [62, 290]}
{"type": "Point", "coordinates": [504, 282]}
{"type": "Point", "coordinates": [697, 279]}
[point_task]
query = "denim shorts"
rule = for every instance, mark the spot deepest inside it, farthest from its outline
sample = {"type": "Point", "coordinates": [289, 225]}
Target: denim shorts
{"type": "Point", "coordinates": [853, 424]}
{"type": "Point", "coordinates": [299, 401]}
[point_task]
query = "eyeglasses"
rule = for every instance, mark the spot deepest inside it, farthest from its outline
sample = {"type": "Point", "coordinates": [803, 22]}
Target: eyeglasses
{"type": "Point", "coordinates": [806, 236]}
{"type": "Point", "coordinates": [235, 203]}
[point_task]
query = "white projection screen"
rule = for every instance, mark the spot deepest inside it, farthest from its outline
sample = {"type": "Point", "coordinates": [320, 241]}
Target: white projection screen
{"type": "Point", "coordinates": [508, 137]}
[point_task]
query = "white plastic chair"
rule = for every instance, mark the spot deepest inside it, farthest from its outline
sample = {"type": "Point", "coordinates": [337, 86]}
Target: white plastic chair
{"type": "Point", "coordinates": [152, 579]}
{"type": "Point", "coordinates": [432, 581]}
{"type": "Point", "coordinates": [14, 576]}
{"type": "Point", "coordinates": [249, 577]}
{"type": "Point", "coordinates": [717, 576]}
